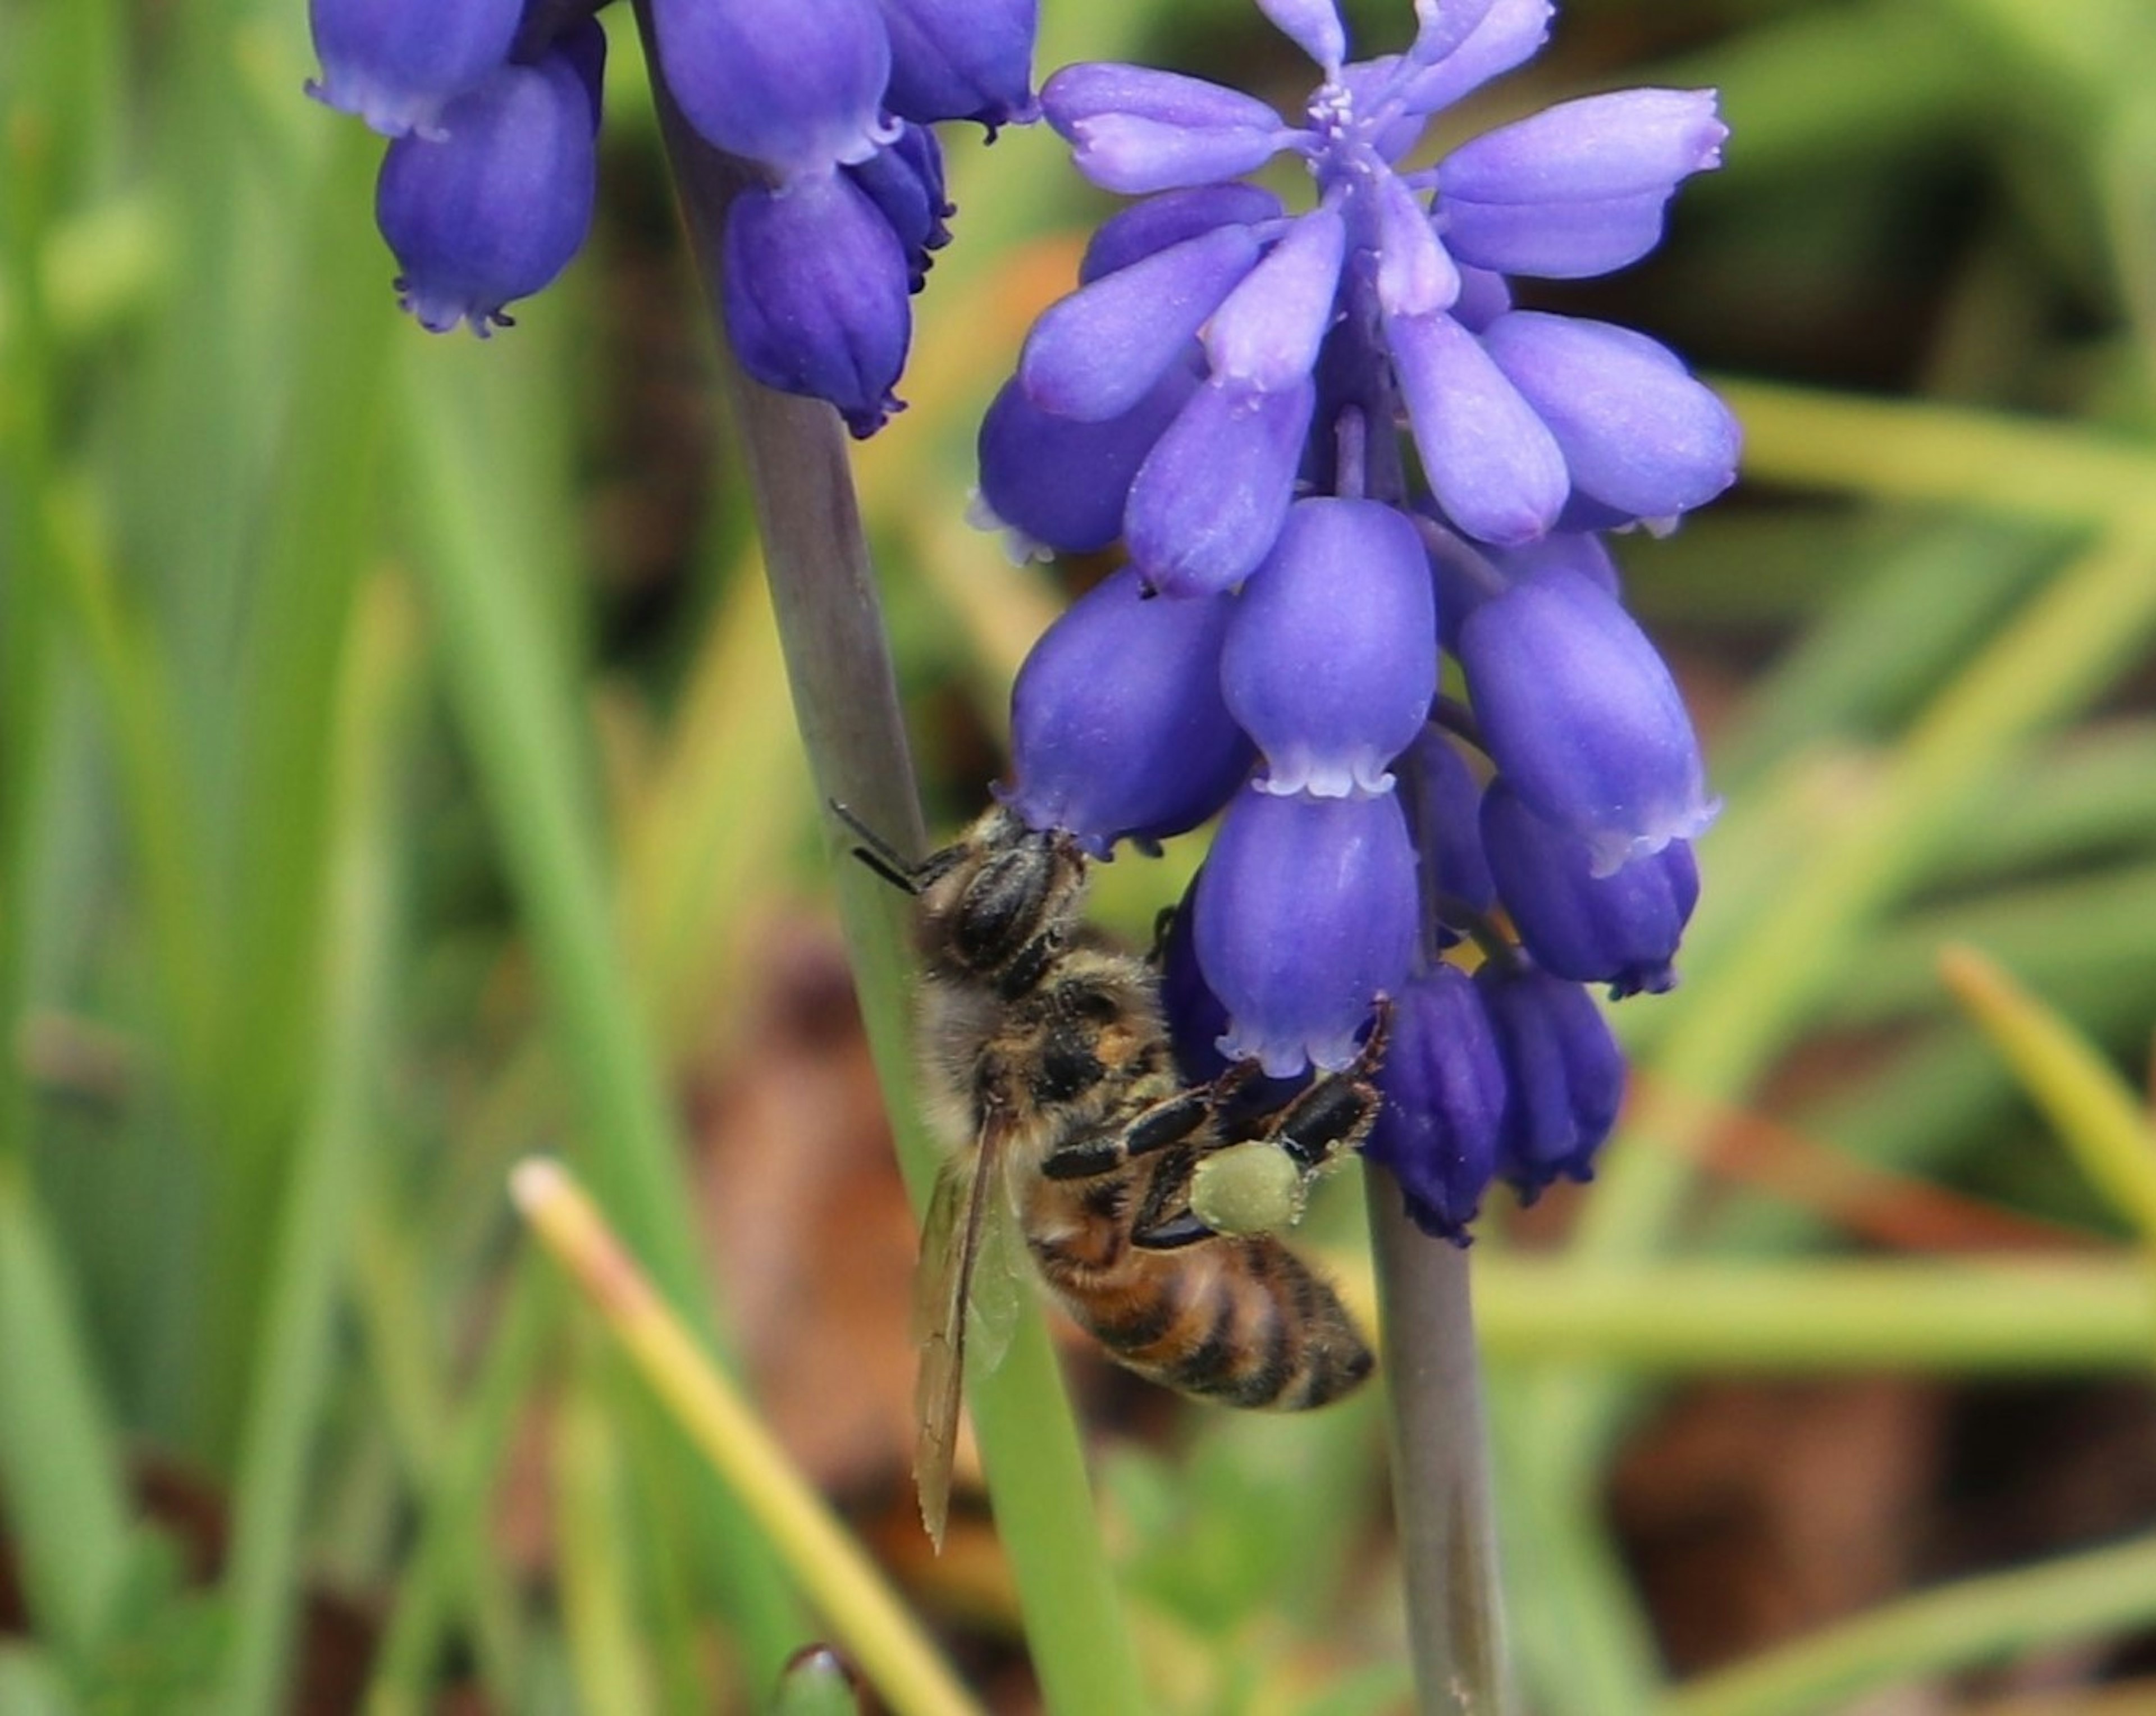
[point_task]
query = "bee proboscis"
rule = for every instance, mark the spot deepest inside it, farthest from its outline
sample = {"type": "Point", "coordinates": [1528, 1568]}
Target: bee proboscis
{"type": "Point", "coordinates": [1048, 1054]}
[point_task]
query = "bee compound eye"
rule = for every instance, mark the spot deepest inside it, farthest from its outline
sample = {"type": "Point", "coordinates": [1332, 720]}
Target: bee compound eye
{"type": "Point", "coordinates": [1001, 909]}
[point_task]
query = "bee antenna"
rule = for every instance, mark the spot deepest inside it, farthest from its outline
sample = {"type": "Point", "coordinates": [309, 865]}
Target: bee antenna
{"type": "Point", "coordinates": [878, 854]}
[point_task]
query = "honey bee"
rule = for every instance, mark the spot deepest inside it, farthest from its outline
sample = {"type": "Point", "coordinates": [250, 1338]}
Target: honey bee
{"type": "Point", "coordinates": [1052, 1067]}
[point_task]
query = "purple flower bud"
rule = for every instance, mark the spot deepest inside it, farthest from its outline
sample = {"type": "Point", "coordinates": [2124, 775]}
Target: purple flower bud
{"type": "Point", "coordinates": [1305, 914]}
{"type": "Point", "coordinates": [1134, 130]}
{"type": "Point", "coordinates": [496, 209]}
{"type": "Point", "coordinates": [1443, 801]}
{"type": "Point", "coordinates": [1580, 715]}
{"type": "Point", "coordinates": [1470, 573]}
{"type": "Point", "coordinates": [1416, 276]}
{"type": "Point", "coordinates": [1503, 35]}
{"type": "Point", "coordinates": [1621, 929]}
{"type": "Point", "coordinates": [1565, 1076]}
{"type": "Point", "coordinates": [1097, 352]}
{"type": "Point", "coordinates": [1579, 189]}
{"type": "Point", "coordinates": [1207, 505]}
{"type": "Point", "coordinates": [1118, 731]}
{"type": "Point", "coordinates": [815, 286]}
{"type": "Point", "coordinates": [396, 63]}
{"type": "Point", "coordinates": [1444, 1084]}
{"type": "Point", "coordinates": [1063, 483]}
{"type": "Point", "coordinates": [1484, 296]}
{"type": "Point", "coordinates": [962, 60]}
{"type": "Point", "coordinates": [799, 87]}
{"type": "Point", "coordinates": [1313, 26]}
{"type": "Point", "coordinates": [1265, 334]}
{"type": "Point", "coordinates": [1146, 228]}
{"type": "Point", "coordinates": [1638, 434]}
{"type": "Point", "coordinates": [1491, 463]}
{"type": "Point", "coordinates": [906, 183]}
{"type": "Point", "coordinates": [1330, 660]}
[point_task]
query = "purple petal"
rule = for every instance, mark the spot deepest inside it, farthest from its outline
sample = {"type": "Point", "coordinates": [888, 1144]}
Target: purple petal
{"type": "Point", "coordinates": [1443, 801]}
{"type": "Point", "coordinates": [1117, 727]}
{"type": "Point", "coordinates": [396, 63]}
{"type": "Point", "coordinates": [1508, 33]}
{"type": "Point", "coordinates": [1639, 434]}
{"type": "Point", "coordinates": [1097, 352]}
{"type": "Point", "coordinates": [1591, 150]}
{"type": "Point", "coordinates": [1555, 241]}
{"type": "Point", "coordinates": [1305, 915]}
{"type": "Point", "coordinates": [496, 207]}
{"type": "Point", "coordinates": [1266, 333]}
{"type": "Point", "coordinates": [1565, 1076]}
{"type": "Point", "coordinates": [1416, 276]}
{"type": "Point", "coordinates": [1064, 483]}
{"type": "Point", "coordinates": [1489, 461]}
{"type": "Point", "coordinates": [962, 60]}
{"type": "Point", "coordinates": [1622, 929]}
{"type": "Point", "coordinates": [799, 87]}
{"type": "Point", "coordinates": [1207, 505]}
{"type": "Point", "coordinates": [906, 183]}
{"type": "Point", "coordinates": [1145, 228]}
{"type": "Point", "coordinates": [1444, 1083]}
{"type": "Point", "coordinates": [1136, 130]}
{"type": "Point", "coordinates": [1331, 660]}
{"type": "Point", "coordinates": [1313, 26]}
{"type": "Point", "coordinates": [815, 286]}
{"type": "Point", "coordinates": [1579, 713]}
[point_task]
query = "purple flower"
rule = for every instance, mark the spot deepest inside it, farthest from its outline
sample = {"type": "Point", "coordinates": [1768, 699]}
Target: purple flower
{"type": "Point", "coordinates": [1118, 731]}
{"type": "Point", "coordinates": [1330, 660]}
{"type": "Point", "coordinates": [1443, 801]}
{"type": "Point", "coordinates": [962, 60]}
{"type": "Point", "coordinates": [496, 206]}
{"type": "Point", "coordinates": [1565, 1076]}
{"type": "Point", "coordinates": [1581, 716]}
{"type": "Point", "coordinates": [904, 181]}
{"type": "Point", "coordinates": [1622, 928]}
{"type": "Point", "coordinates": [396, 63]}
{"type": "Point", "coordinates": [1305, 915]}
{"type": "Point", "coordinates": [815, 288]}
{"type": "Point", "coordinates": [1444, 1088]}
{"type": "Point", "coordinates": [1207, 503]}
{"type": "Point", "coordinates": [799, 87]}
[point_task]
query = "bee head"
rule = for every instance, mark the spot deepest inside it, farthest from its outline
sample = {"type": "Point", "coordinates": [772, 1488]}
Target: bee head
{"type": "Point", "coordinates": [998, 905]}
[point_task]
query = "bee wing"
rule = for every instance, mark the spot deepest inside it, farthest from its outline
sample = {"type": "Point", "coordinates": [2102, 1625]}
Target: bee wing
{"type": "Point", "coordinates": [968, 1202]}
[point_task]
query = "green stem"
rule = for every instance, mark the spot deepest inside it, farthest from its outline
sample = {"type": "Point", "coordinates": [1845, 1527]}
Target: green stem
{"type": "Point", "coordinates": [846, 697]}
{"type": "Point", "coordinates": [1442, 1494]}
{"type": "Point", "coordinates": [2063, 1602]}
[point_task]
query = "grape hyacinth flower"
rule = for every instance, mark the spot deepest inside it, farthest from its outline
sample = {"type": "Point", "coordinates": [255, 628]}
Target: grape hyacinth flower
{"type": "Point", "coordinates": [824, 105]}
{"type": "Point", "coordinates": [1336, 449]}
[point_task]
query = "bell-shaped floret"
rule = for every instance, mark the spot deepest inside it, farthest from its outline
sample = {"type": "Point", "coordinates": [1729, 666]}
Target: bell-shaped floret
{"type": "Point", "coordinates": [1444, 1084]}
{"type": "Point", "coordinates": [1490, 460]}
{"type": "Point", "coordinates": [1464, 46]}
{"type": "Point", "coordinates": [1146, 228]}
{"type": "Point", "coordinates": [904, 181]}
{"type": "Point", "coordinates": [396, 63]}
{"type": "Point", "coordinates": [1639, 434]}
{"type": "Point", "coordinates": [1305, 915]}
{"type": "Point", "coordinates": [1208, 504]}
{"type": "Point", "coordinates": [1095, 353]}
{"type": "Point", "coordinates": [1564, 1074]}
{"type": "Point", "coordinates": [797, 87]}
{"type": "Point", "coordinates": [815, 292]}
{"type": "Point", "coordinates": [1443, 801]}
{"type": "Point", "coordinates": [1135, 129]}
{"type": "Point", "coordinates": [1579, 188]}
{"type": "Point", "coordinates": [494, 210]}
{"type": "Point", "coordinates": [1331, 660]}
{"type": "Point", "coordinates": [1062, 483]}
{"type": "Point", "coordinates": [1622, 929]}
{"type": "Point", "coordinates": [1266, 333]}
{"type": "Point", "coordinates": [962, 60]}
{"type": "Point", "coordinates": [1579, 713]}
{"type": "Point", "coordinates": [1470, 573]}
{"type": "Point", "coordinates": [1415, 275]}
{"type": "Point", "coordinates": [1118, 731]}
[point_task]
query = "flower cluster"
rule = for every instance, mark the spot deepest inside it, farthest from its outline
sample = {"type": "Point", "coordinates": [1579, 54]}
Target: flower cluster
{"type": "Point", "coordinates": [1225, 394]}
{"type": "Point", "coordinates": [492, 106]}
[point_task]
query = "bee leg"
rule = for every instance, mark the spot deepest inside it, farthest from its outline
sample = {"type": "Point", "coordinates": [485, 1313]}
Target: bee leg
{"type": "Point", "coordinates": [1163, 1221]}
{"type": "Point", "coordinates": [1336, 1112]}
{"type": "Point", "coordinates": [1170, 1121]}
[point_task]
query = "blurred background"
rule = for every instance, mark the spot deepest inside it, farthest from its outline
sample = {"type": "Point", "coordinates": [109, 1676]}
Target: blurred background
{"type": "Point", "coordinates": [397, 778]}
